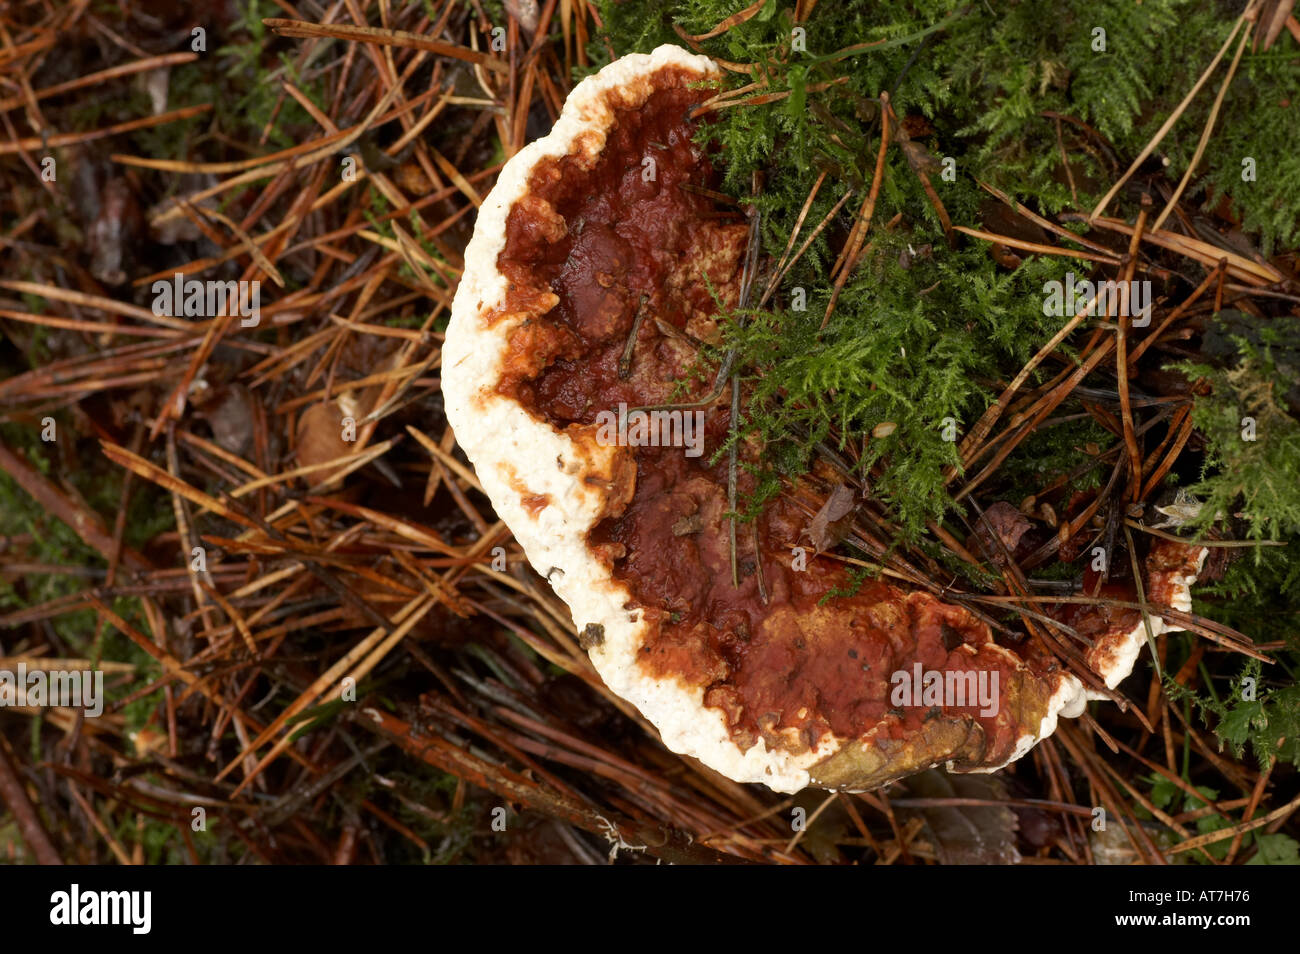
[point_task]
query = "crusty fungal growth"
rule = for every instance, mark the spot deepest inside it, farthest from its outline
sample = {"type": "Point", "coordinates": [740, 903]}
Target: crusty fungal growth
{"type": "Point", "coordinates": [596, 271]}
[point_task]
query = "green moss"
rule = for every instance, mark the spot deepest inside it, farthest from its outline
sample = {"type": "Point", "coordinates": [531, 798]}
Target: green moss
{"type": "Point", "coordinates": [1258, 709]}
{"type": "Point", "coordinates": [1252, 466]}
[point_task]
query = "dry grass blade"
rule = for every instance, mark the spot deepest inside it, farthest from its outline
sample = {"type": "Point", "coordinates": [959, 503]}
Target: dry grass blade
{"type": "Point", "coordinates": [302, 29]}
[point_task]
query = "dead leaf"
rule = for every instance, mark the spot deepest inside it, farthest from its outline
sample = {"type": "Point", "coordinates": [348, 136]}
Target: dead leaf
{"type": "Point", "coordinates": [321, 436]}
{"type": "Point", "coordinates": [1002, 522]}
{"type": "Point", "coordinates": [525, 13]}
{"type": "Point", "coordinates": [113, 233]}
{"type": "Point", "coordinates": [230, 415]}
{"type": "Point", "coordinates": [919, 158]}
{"type": "Point", "coordinates": [832, 521]}
{"type": "Point", "coordinates": [966, 834]}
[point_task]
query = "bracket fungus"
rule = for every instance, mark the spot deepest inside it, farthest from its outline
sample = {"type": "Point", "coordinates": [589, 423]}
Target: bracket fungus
{"type": "Point", "coordinates": [597, 268]}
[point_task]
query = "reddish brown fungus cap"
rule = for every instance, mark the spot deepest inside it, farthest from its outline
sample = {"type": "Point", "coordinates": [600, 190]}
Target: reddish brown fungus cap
{"type": "Point", "coordinates": [596, 271]}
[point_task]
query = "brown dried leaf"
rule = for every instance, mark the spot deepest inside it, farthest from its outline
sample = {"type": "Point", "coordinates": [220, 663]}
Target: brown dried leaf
{"type": "Point", "coordinates": [919, 158]}
{"type": "Point", "coordinates": [967, 834]}
{"type": "Point", "coordinates": [832, 521]}
{"type": "Point", "coordinates": [1002, 522]}
{"type": "Point", "coordinates": [320, 436]}
{"type": "Point", "coordinates": [230, 415]}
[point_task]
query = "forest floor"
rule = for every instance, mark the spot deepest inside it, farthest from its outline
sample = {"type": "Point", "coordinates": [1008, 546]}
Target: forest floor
{"type": "Point", "coordinates": [323, 646]}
